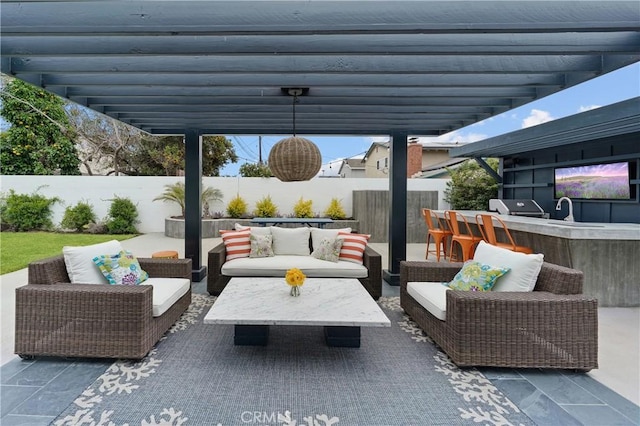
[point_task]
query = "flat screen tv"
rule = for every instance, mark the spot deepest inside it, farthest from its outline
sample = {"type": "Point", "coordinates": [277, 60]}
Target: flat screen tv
{"type": "Point", "coordinates": [607, 181]}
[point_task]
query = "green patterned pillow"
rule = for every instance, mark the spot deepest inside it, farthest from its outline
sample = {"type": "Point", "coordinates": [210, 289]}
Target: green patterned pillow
{"type": "Point", "coordinates": [328, 249]}
{"type": "Point", "coordinates": [261, 246]}
{"type": "Point", "coordinates": [121, 269]}
{"type": "Point", "coordinates": [476, 276]}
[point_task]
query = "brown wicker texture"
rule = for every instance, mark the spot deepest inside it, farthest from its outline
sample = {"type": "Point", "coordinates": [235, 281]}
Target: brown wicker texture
{"type": "Point", "coordinates": [546, 328]}
{"type": "Point", "coordinates": [295, 159]}
{"type": "Point", "coordinates": [372, 260]}
{"type": "Point", "coordinates": [55, 318]}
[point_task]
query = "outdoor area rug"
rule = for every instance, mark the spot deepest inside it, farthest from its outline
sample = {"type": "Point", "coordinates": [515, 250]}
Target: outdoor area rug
{"type": "Point", "coordinates": [196, 376]}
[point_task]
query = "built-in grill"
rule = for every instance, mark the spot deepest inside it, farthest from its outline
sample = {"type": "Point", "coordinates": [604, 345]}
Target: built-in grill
{"type": "Point", "coordinates": [516, 207]}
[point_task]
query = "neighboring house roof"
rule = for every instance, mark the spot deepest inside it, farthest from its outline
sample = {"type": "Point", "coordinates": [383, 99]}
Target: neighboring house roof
{"type": "Point", "coordinates": [353, 163]}
{"type": "Point", "coordinates": [440, 169]}
{"type": "Point", "coordinates": [607, 121]}
{"type": "Point", "coordinates": [372, 147]}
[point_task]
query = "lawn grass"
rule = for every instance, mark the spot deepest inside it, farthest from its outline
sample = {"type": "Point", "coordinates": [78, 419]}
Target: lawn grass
{"type": "Point", "coordinates": [17, 249]}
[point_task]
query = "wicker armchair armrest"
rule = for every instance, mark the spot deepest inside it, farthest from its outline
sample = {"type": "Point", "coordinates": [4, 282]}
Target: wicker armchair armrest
{"type": "Point", "coordinates": [537, 328]}
{"type": "Point", "coordinates": [48, 271]}
{"type": "Point", "coordinates": [62, 319]}
{"type": "Point", "coordinates": [427, 271]}
{"type": "Point", "coordinates": [166, 268]}
{"type": "Point", "coordinates": [215, 259]}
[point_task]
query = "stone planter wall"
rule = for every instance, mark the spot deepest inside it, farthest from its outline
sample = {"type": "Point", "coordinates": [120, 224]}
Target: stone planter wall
{"type": "Point", "coordinates": [174, 228]}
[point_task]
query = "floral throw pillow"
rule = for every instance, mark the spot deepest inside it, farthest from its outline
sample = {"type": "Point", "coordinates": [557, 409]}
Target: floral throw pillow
{"type": "Point", "coordinates": [261, 246]}
{"type": "Point", "coordinates": [121, 269]}
{"type": "Point", "coordinates": [476, 276]}
{"type": "Point", "coordinates": [328, 249]}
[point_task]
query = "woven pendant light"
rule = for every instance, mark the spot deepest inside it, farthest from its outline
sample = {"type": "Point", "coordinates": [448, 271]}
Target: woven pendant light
{"type": "Point", "coordinates": [295, 158]}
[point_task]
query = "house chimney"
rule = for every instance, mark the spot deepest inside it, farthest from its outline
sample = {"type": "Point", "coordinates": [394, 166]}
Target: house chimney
{"type": "Point", "coordinates": [414, 157]}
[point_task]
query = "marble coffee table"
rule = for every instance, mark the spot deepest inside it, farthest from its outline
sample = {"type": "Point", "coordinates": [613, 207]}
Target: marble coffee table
{"type": "Point", "coordinates": [252, 304]}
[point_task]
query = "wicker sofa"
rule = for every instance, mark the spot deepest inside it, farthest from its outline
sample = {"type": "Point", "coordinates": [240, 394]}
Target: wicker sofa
{"type": "Point", "coordinates": [57, 318]}
{"type": "Point", "coordinates": [554, 326]}
{"type": "Point", "coordinates": [216, 280]}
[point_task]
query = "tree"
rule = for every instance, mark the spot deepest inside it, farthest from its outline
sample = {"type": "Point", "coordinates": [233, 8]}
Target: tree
{"type": "Point", "coordinates": [175, 193]}
{"type": "Point", "coordinates": [255, 170]}
{"type": "Point", "coordinates": [471, 186]}
{"type": "Point", "coordinates": [40, 139]}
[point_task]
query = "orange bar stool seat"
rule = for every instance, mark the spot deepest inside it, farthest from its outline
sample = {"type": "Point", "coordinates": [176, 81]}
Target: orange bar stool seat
{"type": "Point", "coordinates": [467, 240]}
{"type": "Point", "coordinates": [437, 229]}
{"type": "Point", "coordinates": [166, 254]}
{"type": "Point", "coordinates": [487, 225]}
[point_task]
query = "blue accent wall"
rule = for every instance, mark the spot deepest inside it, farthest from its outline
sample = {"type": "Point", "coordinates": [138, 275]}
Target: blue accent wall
{"type": "Point", "coordinates": [529, 175]}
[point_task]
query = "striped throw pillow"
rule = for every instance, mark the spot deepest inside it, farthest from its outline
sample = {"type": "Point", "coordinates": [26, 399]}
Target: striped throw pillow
{"type": "Point", "coordinates": [353, 246]}
{"type": "Point", "coordinates": [237, 243]}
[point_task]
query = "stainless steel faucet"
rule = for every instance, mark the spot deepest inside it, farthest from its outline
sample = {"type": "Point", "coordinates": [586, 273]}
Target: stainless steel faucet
{"type": "Point", "coordinates": [559, 206]}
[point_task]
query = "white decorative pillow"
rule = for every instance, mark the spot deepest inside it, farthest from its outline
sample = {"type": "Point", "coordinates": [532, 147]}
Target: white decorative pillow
{"type": "Point", "coordinates": [261, 246]}
{"type": "Point", "coordinates": [255, 230]}
{"type": "Point", "coordinates": [328, 249]}
{"type": "Point", "coordinates": [293, 241]}
{"type": "Point", "coordinates": [524, 267]}
{"type": "Point", "coordinates": [318, 234]}
{"type": "Point", "coordinates": [79, 261]}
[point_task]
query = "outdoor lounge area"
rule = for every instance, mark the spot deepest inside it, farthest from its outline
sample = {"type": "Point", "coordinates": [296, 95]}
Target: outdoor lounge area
{"type": "Point", "coordinates": [563, 351]}
{"type": "Point", "coordinates": [38, 391]}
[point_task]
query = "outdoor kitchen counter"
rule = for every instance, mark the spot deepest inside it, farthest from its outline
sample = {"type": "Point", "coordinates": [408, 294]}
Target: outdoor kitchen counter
{"type": "Point", "coordinates": [607, 253]}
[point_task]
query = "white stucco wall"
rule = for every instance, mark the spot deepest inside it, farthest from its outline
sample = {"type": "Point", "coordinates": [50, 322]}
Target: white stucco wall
{"type": "Point", "coordinates": [99, 190]}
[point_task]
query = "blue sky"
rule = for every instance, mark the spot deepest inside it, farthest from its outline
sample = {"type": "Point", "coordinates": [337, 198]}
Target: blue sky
{"type": "Point", "coordinates": [604, 90]}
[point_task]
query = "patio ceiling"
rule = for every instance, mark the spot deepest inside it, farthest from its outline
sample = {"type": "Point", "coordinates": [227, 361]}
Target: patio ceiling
{"type": "Point", "coordinates": [373, 67]}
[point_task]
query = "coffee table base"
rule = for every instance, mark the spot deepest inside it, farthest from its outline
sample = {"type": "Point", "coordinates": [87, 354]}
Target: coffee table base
{"type": "Point", "coordinates": [258, 335]}
{"type": "Point", "coordinates": [342, 336]}
{"type": "Point", "coordinates": [251, 335]}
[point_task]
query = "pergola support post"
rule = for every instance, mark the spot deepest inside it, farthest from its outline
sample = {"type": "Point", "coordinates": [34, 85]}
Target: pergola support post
{"type": "Point", "coordinates": [193, 203]}
{"type": "Point", "coordinates": [397, 207]}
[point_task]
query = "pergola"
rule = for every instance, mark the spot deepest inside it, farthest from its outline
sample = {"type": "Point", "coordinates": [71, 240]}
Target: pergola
{"type": "Point", "coordinates": [397, 68]}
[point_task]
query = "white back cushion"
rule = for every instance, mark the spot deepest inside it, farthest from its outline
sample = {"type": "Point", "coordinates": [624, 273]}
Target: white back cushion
{"type": "Point", "coordinates": [79, 261]}
{"type": "Point", "coordinates": [291, 240]}
{"type": "Point", "coordinates": [255, 230]}
{"type": "Point", "coordinates": [524, 267]}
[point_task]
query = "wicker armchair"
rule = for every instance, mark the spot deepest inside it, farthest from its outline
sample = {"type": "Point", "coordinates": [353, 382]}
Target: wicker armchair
{"type": "Point", "coordinates": [56, 318]}
{"type": "Point", "coordinates": [555, 326]}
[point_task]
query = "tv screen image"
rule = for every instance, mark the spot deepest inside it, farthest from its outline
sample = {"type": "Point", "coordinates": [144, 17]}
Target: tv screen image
{"type": "Point", "coordinates": [594, 182]}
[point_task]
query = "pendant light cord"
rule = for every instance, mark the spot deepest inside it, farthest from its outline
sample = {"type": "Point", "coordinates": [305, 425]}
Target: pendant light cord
{"type": "Point", "coordinates": [295, 99]}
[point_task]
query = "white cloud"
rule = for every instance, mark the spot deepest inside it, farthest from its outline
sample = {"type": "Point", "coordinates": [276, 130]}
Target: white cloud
{"type": "Point", "coordinates": [588, 108]}
{"type": "Point", "coordinates": [455, 136]}
{"type": "Point", "coordinates": [536, 117]}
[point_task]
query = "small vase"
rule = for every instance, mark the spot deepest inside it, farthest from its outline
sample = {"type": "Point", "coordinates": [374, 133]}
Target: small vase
{"type": "Point", "coordinates": [295, 291]}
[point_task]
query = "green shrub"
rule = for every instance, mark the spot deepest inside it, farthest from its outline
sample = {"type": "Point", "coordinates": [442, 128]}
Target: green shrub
{"type": "Point", "coordinates": [175, 193]}
{"type": "Point", "coordinates": [23, 212]}
{"type": "Point", "coordinates": [303, 208]}
{"type": "Point", "coordinates": [471, 186]}
{"type": "Point", "coordinates": [265, 207]}
{"type": "Point", "coordinates": [78, 217]}
{"type": "Point", "coordinates": [122, 217]}
{"type": "Point", "coordinates": [237, 207]}
{"type": "Point", "coordinates": [335, 210]}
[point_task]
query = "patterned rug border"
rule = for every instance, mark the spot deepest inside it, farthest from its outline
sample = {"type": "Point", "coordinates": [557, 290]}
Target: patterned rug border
{"type": "Point", "coordinates": [492, 407]}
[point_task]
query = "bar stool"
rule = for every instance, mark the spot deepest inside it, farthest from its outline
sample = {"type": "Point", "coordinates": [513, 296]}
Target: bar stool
{"type": "Point", "coordinates": [467, 241]}
{"type": "Point", "coordinates": [437, 229]}
{"type": "Point", "coordinates": [488, 230]}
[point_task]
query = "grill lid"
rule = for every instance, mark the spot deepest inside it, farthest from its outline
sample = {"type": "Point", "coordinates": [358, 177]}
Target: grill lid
{"type": "Point", "coordinates": [516, 207]}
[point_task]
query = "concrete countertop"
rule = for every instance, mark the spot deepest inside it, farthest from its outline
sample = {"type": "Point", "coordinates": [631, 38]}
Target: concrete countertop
{"type": "Point", "coordinates": [562, 229]}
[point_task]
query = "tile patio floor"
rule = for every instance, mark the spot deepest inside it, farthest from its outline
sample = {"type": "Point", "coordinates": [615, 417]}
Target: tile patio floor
{"type": "Point", "coordinates": [35, 392]}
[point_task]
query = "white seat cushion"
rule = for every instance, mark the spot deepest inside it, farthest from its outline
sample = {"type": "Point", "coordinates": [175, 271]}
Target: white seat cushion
{"type": "Point", "coordinates": [166, 292]}
{"type": "Point", "coordinates": [277, 266]}
{"type": "Point", "coordinates": [432, 296]}
{"type": "Point", "coordinates": [79, 261]}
